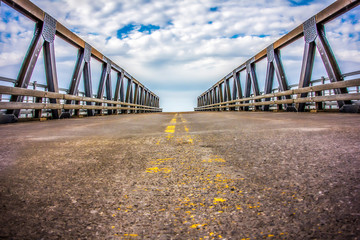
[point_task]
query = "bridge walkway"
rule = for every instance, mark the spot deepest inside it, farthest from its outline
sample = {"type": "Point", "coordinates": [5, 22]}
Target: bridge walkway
{"type": "Point", "coordinates": [203, 175]}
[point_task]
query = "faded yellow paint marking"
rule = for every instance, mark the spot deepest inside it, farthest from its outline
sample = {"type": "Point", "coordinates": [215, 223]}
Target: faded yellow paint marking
{"type": "Point", "coordinates": [130, 235]}
{"type": "Point", "coordinates": [173, 121]}
{"type": "Point", "coordinates": [186, 129]}
{"type": "Point", "coordinates": [170, 129]}
{"type": "Point", "coordinates": [197, 225]}
{"type": "Point", "coordinates": [219, 200]}
{"type": "Point", "coordinates": [214, 160]}
{"type": "Point", "coordinates": [156, 169]}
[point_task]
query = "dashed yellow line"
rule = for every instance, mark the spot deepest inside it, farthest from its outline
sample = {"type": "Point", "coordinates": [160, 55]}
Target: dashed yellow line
{"type": "Point", "coordinates": [186, 129]}
{"type": "Point", "coordinates": [156, 169]}
{"type": "Point", "coordinates": [170, 129]}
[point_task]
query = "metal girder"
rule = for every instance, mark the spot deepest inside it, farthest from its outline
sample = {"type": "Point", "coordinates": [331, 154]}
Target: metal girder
{"type": "Point", "coordinates": [82, 66]}
{"type": "Point", "coordinates": [48, 33]}
{"type": "Point", "coordinates": [136, 94]}
{"type": "Point", "coordinates": [75, 80]}
{"type": "Point", "coordinates": [141, 98]}
{"type": "Point", "coordinates": [220, 92]}
{"type": "Point", "coordinates": [51, 75]}
{"type": "Point", "coordinates": [238, 85]}
{"type": "Point", "coordinates": [330, 63]}
{"type": "Point", "coordinates": [314, 36]}
{"type": "Point", "coordinates": [44, 36]}
{"type": "Point", "coordinates": [88, 86]}
{"type": "Point", "coordinates": [28, 65]}
{"type": "Point", "coordinates": [146, 99]}
{"type": "Point", "coordinates": [274, 65]}
{"type": "Point", "coordinates": [45, 31]}
{"type": "Point", "coordinates": [129, 98]}
{"type": "Point", "coordinates": [227, 90]}
{"type": "Point", "coordinates": [105, 82]}
{"type": "Point", "coordinates": [268, 82]}
{"type": "Point", "coordinates": [119, 89]}
{"type": "Point", "coordinates": [237, 91]}
{"type": "Point", "coordinates": [306, 71]}
{"type": "Point", "coordinates": [251, 81]}
{"type": "Point", "coordinates": [331, 12]}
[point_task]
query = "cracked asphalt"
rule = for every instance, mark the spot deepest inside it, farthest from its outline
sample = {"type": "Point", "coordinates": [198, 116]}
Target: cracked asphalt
{"type": "Point", "coordinates": [201, 175]}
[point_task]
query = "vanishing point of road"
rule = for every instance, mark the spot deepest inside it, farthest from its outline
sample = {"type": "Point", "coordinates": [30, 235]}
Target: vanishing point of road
{"type": "Point", "coordinates": [203, 175]}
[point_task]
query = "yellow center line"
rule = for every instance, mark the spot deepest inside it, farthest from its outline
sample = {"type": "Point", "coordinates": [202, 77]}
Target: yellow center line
{"type": "Point", "coordinates": [170, 129]}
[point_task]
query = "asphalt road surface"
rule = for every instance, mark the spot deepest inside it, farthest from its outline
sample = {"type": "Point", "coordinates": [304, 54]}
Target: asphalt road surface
{"type": "Point", "coordinates": [203, 175]}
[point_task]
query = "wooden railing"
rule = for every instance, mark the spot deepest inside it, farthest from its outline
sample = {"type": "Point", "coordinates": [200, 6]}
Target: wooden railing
{"type": "Point", "coordinates": [227, 94]}
{"type": "Point", "coordinates": [129, 95]}
{"type": "Point", "coordinates": [252, 101]}
{"type": "Point", "coordinates": [102, 103]}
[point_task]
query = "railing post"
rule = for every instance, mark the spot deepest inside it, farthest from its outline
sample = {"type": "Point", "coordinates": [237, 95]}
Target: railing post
{"type": "Point", "coordinates": [37, 112]}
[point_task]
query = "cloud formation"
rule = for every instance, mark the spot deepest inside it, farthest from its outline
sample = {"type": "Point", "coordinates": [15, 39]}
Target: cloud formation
{"type": "Point", "coordinates": [180, 48]}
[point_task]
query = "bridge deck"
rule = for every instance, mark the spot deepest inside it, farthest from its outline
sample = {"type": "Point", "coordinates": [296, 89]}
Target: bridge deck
{"type": "Point", "coordinates": [197, 175]}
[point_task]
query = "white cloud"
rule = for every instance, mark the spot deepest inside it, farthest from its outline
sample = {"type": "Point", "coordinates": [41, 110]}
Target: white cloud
{"type": "Point", "coordinates": [194, 47]}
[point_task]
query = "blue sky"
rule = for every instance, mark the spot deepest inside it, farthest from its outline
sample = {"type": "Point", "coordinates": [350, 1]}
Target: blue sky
{"type": "Point", "coordinates": [178, 49]}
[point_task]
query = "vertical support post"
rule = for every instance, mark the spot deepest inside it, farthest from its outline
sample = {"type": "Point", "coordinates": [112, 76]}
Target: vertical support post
{"type": "Point", "coordinates": [228, 91]}
{"type": "Point", "coordinates": [100, 92]}
{"type": "Point", "coordinates": [119, 89]}
{"type": "Point", "coordinates": [221, 98]}
{"type": "Point", "coordinates": [108, 86]}
{"type": "Point", "coordinates": [49, 30]}
{"type": "Point", "coordinates": [141, 101]}
{"type": "Point", "coordinates": [136, 94]}
{"type": "Point", "coordinates": [128, 97]}
{"type": "Point", "coordinates": [146, 97]}
{"type": "Point", "coordinates": [237, 92]}
{"type": "Point", "coordinates": [37, 112]}
{"type": "Point", "coordinates": [216, 96]}
{"type": "Point", "coordinates": [268, 82]}
{"type": "Point", "coordinates": [87, 78]}
{"type": "Point", "coordinates": [251, 81]}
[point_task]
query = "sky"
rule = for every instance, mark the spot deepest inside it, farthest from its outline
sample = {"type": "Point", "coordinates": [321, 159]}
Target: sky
{"type": "Point", "coordinates": [179, 48]}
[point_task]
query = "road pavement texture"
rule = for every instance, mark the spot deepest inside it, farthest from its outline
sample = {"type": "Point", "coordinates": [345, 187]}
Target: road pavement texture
{"type": "Point", "coordinates": [203, 175]}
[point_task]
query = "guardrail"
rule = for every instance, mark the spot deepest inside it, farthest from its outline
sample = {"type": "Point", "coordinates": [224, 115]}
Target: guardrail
{"type": "Point", "coordinates": [136, 98]}
{"type": "Point", "coordinates": [222, 97]}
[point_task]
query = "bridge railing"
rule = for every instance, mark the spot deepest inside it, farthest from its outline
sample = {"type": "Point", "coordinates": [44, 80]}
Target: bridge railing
{"type": "Point", "coordinates": [227, 94]}
{"type": "Point", "coordinates": [45, 100]}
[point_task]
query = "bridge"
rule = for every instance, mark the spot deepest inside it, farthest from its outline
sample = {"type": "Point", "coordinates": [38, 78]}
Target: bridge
{"type": "Point", "coordinates": [277, 164]}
